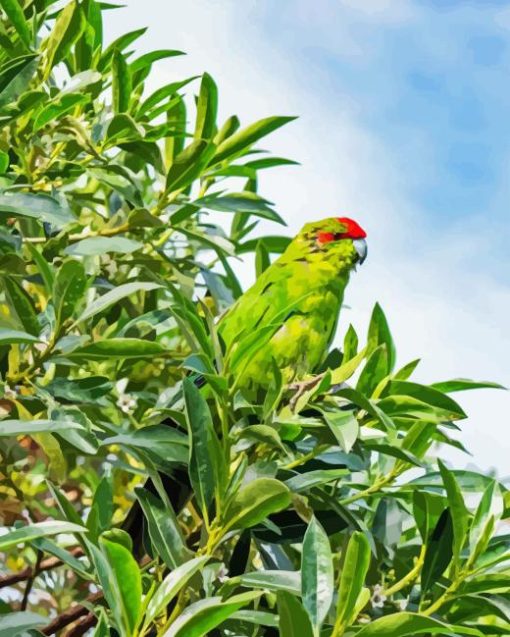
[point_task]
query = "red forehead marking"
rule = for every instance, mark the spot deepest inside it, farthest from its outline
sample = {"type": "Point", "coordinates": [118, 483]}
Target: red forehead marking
{"type": "Point", "coordinates": [353, 229]}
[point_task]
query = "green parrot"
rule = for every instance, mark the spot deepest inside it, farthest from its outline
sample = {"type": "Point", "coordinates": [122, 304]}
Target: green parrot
{"type": "Point", "coordinates": [298, 299]}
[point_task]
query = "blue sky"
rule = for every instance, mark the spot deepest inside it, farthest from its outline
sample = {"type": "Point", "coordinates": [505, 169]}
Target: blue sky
{"type": "Point", "coordinates": [403, 109]}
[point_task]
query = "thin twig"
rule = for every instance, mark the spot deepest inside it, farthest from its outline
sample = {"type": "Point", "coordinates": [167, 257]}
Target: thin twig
{"type": "Point", "coordinates": [30, 580]}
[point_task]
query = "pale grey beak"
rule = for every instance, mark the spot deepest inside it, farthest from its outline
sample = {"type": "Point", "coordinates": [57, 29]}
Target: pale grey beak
{"type": "Point", "coordinates": [360, 245]}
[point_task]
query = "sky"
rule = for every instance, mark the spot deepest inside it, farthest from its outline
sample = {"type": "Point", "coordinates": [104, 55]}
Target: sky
{"type": "Point", "coordinates": [402, 112]}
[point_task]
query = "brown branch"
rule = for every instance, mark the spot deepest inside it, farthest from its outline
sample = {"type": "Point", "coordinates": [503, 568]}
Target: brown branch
{"type": "Point", "coordinates": [81, 626]}
{"type": "Point", "coordinates": [71, 615]}
{"type": "Point", "coordinates": [29, 572]}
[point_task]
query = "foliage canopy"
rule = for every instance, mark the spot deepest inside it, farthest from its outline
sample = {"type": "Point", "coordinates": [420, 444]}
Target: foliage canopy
{"type": "Point", "coordinates": [331, 516]}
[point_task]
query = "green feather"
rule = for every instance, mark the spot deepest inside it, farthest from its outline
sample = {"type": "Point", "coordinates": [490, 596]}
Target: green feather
{"type": "Point", "coordinates": [300, 296]}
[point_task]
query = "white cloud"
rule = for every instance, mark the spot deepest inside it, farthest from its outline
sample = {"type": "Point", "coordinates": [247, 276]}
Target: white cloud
{"type": "Point", "coordinates": [440, 303]}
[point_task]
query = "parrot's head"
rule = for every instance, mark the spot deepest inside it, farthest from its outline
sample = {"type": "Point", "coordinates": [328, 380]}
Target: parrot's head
{"type": "Point", "coordinates": [336, 238]}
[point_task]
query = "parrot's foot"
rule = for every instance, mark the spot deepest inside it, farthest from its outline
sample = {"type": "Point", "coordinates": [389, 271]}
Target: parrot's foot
{"type": "Point", "coordinates": [302, 387]}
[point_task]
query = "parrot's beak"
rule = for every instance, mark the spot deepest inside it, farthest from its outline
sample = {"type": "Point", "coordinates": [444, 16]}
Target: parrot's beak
{"type": "Point", "coordinates": [360, 245]}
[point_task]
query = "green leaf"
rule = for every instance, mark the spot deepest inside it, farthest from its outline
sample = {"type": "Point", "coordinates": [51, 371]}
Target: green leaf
{"type": "Point", "coordinates": [242, 140]}
{"type": "Point", "coordinates": [121, 83]}
{"type": "Point", "coordinates": [117, 348]}
{"type": "Point", "coordinates": [68, 27]}
{"type": "Point", "coordinates": [274, 245]}
{"type": "Point", "coordinates": [354, 571]}
{"type": "Point", "coordinates": [316, 574]}
{"type": "Point", "coordinates": [21, 305]}
{"type": "Point", "coordinates": [254, 502]}
{"type": "Point", "coordinates": [171, 585]}
{"type": "Point", "coordinates": [207, 108]}
{"type": "Point", "coordinates": [427, 395]}
{"type": "Point", "coordinates": [9, 337]}
{"type": "Point", "coordinates": [16, 624]}
{"type": "Point", "coordinates": [288, 581]}
{"type": "Point", "coordinates": [101, 512]}
{"type": "Point", "coordinates": [379, 334]}
{"type": "Point", "coordinates": [163, 527]}
{"type": "Point", "coordinates": [293, 620]}
{"type": "Point", "coordinates": [158, 439]}
{"type": "Point", "coordinates": [314, 478]}
{"type": "Point", "coordinates": [54, 110]}
{"type": "Point", "coordinates": [34, 531]}
{"type": "Point", "coordinates": [123, 583]}
{"type": "Point", "coordinates": [403, 624]}
{"type": "Point", "coordinates": [4, 162]}
{"type": "Point", "coordinates": [93, 246]}
{"type": "Point", "coordinates": [28, 427]}
{"type": "Point", "coordinates": [459, 512]}
{"type": "Point", "coordinates": [206, 464]}
{"type": "Point", "coordinates": [240, 202]}
{"type": "Point", "coordinates": [490, 503]}
{"type": "Point", "coordinates": [114, 296]}
{"type": "Point", "coordinates": [119, 44]}
{"type": "Point", "coordinates": [439, 551]}
{"type": "Point", "coordinates": [189, 164]}
{"type": "Point", "coordinates": [202, 616]}
{"type": "Point", "coordinates": [376, 368]}
{"type": "Point", "coordinates": [68, 290]}
{"type": "Point", "coordinates": [262, 259]}
{"type": "Point", "coordinates": [40, 207]}
{"type": "Point", "coordinates": [17, 18]}
{"type": "Point", "coordinates": [462, 384]}
{"type": "Point", "coordinates": [153, 56]}
{"type": "Point", "coordinates": [169, 90]}
{"type": "Point", "coordinates": [344, 426]}
{"type": "Point", "coordinates": [43, 266]}
{"type": "Point", "coordinates": [15, 78]}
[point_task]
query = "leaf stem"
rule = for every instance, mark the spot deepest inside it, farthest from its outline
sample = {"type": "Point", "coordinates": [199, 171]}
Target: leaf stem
{"type": "Point", "coordinates": [410, 577]}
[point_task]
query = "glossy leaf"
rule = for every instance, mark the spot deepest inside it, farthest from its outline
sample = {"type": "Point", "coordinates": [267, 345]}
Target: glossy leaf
{"type": "Point", "coordinates": [352, 579]}
{"type": "Point", "coordinates": [16, 624]}
{"type": "Point", "coordinates": [118, 348]}
{"type": "Point", "coordinates": [439, 551]}
{"type": "Point", "coordinates": [41, 207]}
{"type": "Point", "coordinates": [101, 245]}
{"type": "Point", "coordinates": [37, 530]}
{"type": "Point", "coordinates": [28, 427]}
{"type": "Point", "coordinates": [68, 290]}
{"type": "Point", "coordinates": [403, 624]}
{"type": "Point", "coordinates": [459, 512]}
{"type": "Point", "coordinates": [171, 585]}
{"type": "Point", "coordinates": [206, 463]}
{"type": "Point", "coordinates": [113, 296]}
{"type": "Point", "coordinates": [15, 13]}
{"type": "Point", "coordinates": [316, 575]}
{"type": "Point", "coordinates": [202, 616]}
{"type": "Point", "coordinates": [164, 531]}
{"type": "Point", "coordinates": [293, 619]}
{"type": "Point", "coordinates": [254, 502]}
{"type": "Point", "coordinates": [21, 305]}
{"type": "Point", "coordinates": [9, 337]}
{"type": "Point", "coordinates": [121, 82]}
{"type": "Point", "coordinates": [242, 140]}
{"type": "Point", "coordinates": [207, 107]}
{"type": "Point", "coordinates": [122, 583]}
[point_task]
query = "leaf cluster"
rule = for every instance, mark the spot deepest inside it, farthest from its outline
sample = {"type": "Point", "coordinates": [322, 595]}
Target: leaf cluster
{"type": "Point", "coordinates": [141, 492]}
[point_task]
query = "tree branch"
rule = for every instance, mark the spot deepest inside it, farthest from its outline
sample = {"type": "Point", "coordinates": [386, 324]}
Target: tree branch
{"type": "Point", "coordinates": [71, 615]}
{"type": "Point", "coordinates": [29, 572]}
